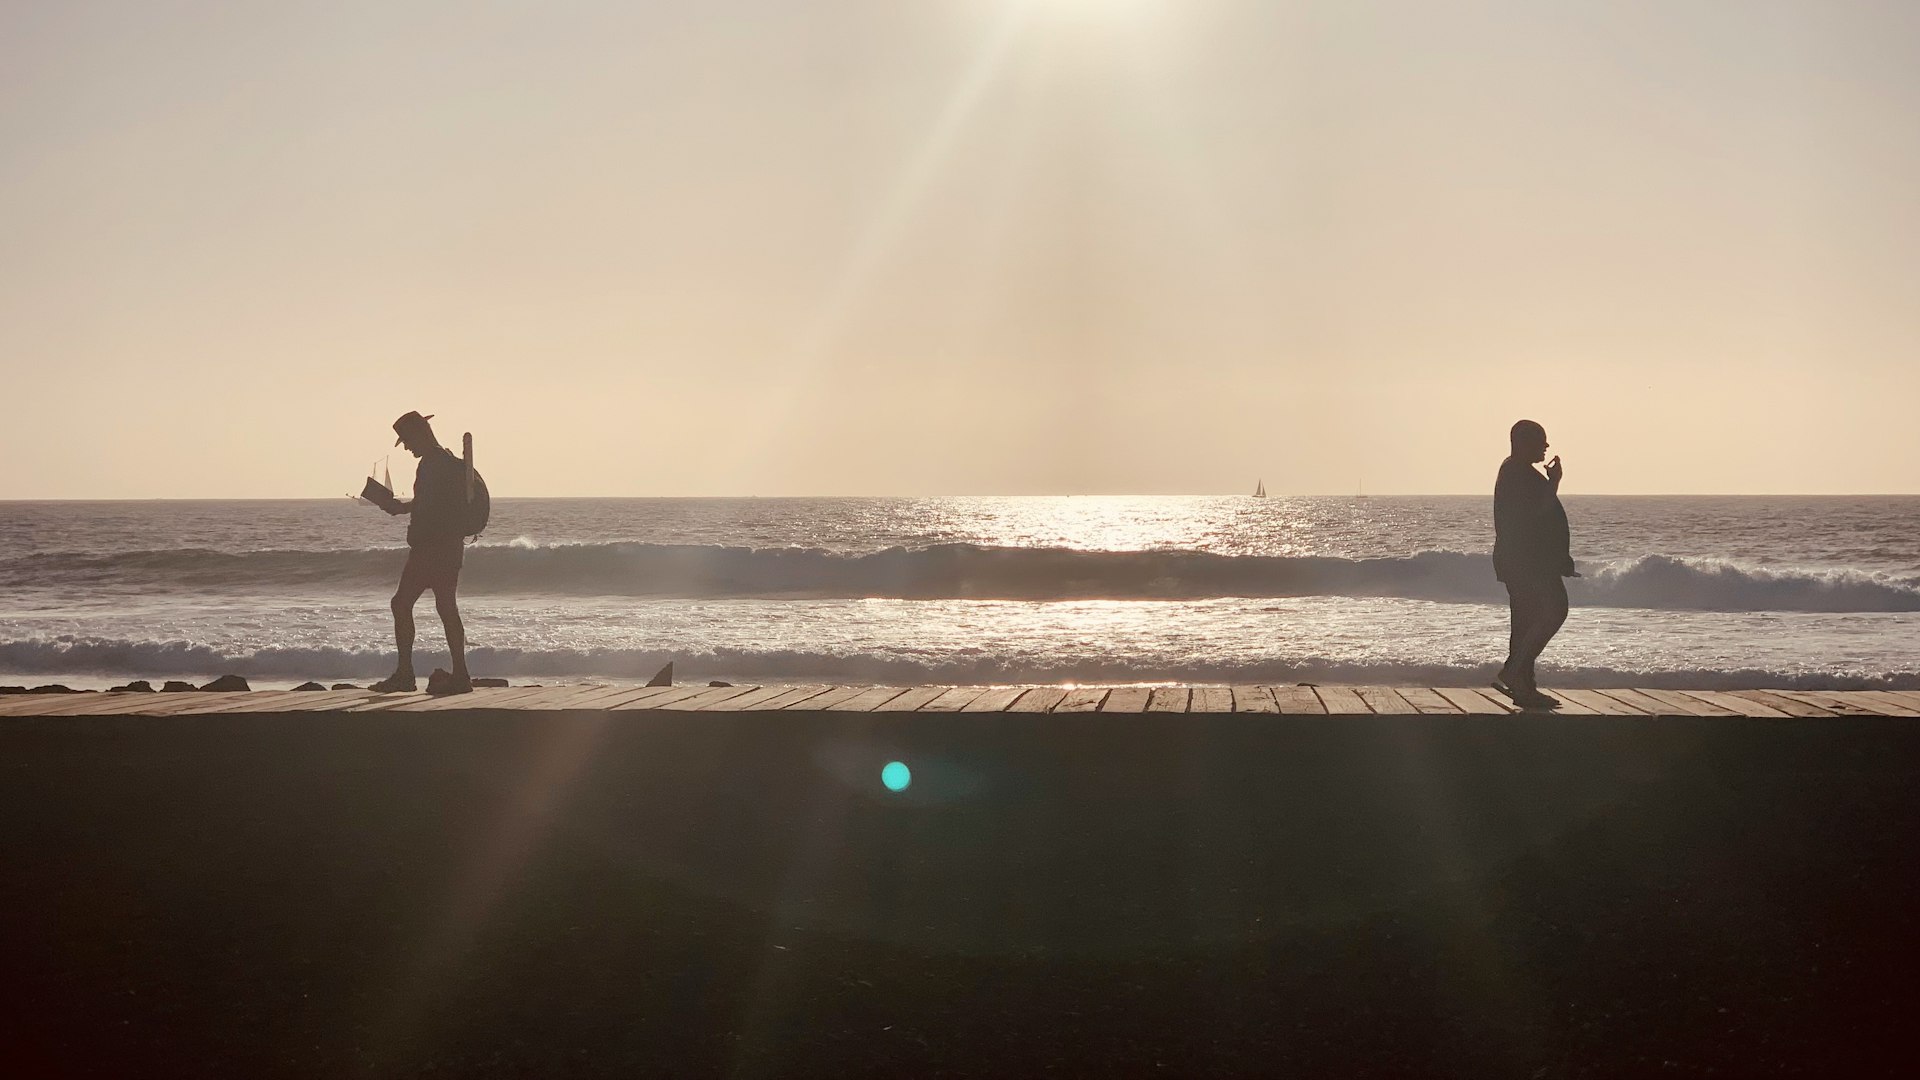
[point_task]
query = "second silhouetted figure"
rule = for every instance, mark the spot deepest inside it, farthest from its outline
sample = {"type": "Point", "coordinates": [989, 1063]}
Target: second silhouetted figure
{"type": "Point", "coordinates": [1532, 552]}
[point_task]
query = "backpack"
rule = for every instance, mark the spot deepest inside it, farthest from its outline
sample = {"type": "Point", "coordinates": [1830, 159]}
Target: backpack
{"type": "Point", "coordinates": [478, 508]}
{"type": "Point", "coordinates": [473, 519]}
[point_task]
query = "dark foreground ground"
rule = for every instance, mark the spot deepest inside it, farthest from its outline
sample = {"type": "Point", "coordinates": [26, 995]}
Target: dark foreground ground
{"type": "Point", "coordinates": [738, 895]}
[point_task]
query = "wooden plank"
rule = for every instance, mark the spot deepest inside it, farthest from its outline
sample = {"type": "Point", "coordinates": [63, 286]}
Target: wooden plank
{"type": "Point", "coordinates": [570, 698]}
{"type": "Point", "coordinates": [96, 704]}
{"type": "Point", "coordinates": [133, 703]}
{"type": "Point", "coordinates": [1127, 699]}
{"type": "Point", "coordinates": [954, 699]}
{"type": "Point", "coordinates": [326, 701]}
{"type": "Point", "coordinates": [610, 696]}
{"type": "Point", "coordinates": [753, 700]}
{"type": "Point", "coordinates": [1840, 704]}
{"type": "Point", "coordinates": [712, 695]}
{"type": "Point", "coordinates": [826, 699]}
{"type": "Point", "coordinates": [199, 703]}
{"type": "Point", "coordinates": [629, 695]}
{"type": "Point", "coordinates": [1640, 701]}
{"type": "Point", "coordinates": [996, 699]}
{"type": "Point", "coordinates": [538, 699]}
{"type": "Point", "coordinates": [1734, 705]}
{"type": "Point", "coordinates": [1680, 704]}
{"type": "Point", "coordinates": [486, 697]}
{"type": "Point", "coordinates": [662, 698]}
{"type": "Point", "coordinates": [770, 698]}
{"type": "Point", "coordinates": [584, 696]}
{"type": "Point", "coordinates": [1254, 699]}
{"type": "Point", "coordinates": [1342, 701]}
{"type": "Point", "coordinates": [871, 698]}
{"type": "Point", "coordinates": [294, 701]}
{"type": "Point", "coordinates": [244, 701]}
{"type": "Point", "coordinates": [1910, 696]}
{"type": "Point", "coordinates": [1169, 699]}
{"type": "Point", "coordinates": [1686, 704]}
{"type": "Point", "coordinates": [1427, 702]}
{"type": "Point", "coordinates": [1567, 707]}
{"type": "Point", "coordinates": [167, 705]}
{"type": "Point", "coordinates": [35, 704]}
{"type": "Point", "coordinates": [1083, 699]}
{"type": "Point", "coordinates": [801, 695]}
{"type": "Point", "coordinates": [1790, 706]}
{"type": "Point", "coordinates": [1476, 702]}
{"type": "Point", "coordinates": [1211, 699]}
{"type": "Point", "coordinates": [911, 699]}
{"type": "Point", "coordinates": [1887, 702]}
{"type": "Point", "coordinates": [1601, 704]}
{"type": "Point", "coordinates": [52, 704]}
{"type": "Point", "coordinates": [490, 697]}
{"type": "Point", "coordinates": [385, 702]}
{"type": "Point", "coordinates": [1040, 699]}
{"type": "Point", "coordinates": [1298, 701]}
{"type": "Point", "coordinates": [533, 698]}
{"type": "Point", "coordinates": [1385, 700]}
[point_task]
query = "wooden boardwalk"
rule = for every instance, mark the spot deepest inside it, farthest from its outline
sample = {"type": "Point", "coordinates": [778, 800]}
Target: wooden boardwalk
{"type": "Point", "coordinates": [1128, 700]}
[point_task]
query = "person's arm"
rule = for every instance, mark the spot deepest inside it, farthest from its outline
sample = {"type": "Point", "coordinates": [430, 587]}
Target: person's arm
{"type": "Point", "coordinates": [378, 495]}
{"type": "Point", "coordinates": [1559, 514]}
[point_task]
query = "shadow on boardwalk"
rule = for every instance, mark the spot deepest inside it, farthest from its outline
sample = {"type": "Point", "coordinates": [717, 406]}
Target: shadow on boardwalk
{"type": "Point", "coordinates": [331, 895]}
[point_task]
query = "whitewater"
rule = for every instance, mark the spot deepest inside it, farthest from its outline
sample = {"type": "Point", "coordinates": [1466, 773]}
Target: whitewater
{"type": "Point", "coordinates": [1674, 591]}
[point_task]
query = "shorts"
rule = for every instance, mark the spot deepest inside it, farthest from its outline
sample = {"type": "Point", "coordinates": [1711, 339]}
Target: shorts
{"type": "Point", "coordinates": [433, 567]}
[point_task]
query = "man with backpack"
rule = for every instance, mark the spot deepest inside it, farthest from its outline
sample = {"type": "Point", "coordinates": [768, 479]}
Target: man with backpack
{"type": "Point", "coordinates": [436, 535]}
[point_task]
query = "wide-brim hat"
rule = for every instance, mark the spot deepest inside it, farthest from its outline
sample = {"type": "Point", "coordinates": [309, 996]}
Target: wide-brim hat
{"type": "Point", "coordinates": [410, 420]}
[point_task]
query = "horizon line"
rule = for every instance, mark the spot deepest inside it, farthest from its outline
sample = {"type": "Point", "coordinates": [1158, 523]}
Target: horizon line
{"type": "Point", "coordinates": [1020, 495]}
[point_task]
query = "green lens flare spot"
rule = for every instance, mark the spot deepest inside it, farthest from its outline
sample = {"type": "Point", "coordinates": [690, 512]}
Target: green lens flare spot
{"type": "Point", "coordinates": [896, 776]}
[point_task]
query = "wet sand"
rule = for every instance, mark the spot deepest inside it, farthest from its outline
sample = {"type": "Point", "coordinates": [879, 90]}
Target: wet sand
{"type": "Point", "coordinates": [334, 895]}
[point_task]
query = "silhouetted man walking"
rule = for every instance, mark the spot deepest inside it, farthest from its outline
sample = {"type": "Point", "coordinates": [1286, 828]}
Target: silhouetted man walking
{"type": "Point", "coordinates": [1531, 554]}
{"type": "Point", "coordinates": [435, 545]}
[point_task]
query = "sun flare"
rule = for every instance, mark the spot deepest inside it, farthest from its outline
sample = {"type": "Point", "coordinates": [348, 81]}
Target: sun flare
{"type": "Point", "coordinates": [1092, 12]}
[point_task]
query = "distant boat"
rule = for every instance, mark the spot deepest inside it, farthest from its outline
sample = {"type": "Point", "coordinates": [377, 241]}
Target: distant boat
{"type": "Point", "coordinates": [1260, 490]}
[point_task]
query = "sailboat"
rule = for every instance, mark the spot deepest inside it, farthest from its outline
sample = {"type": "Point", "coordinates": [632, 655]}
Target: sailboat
{"type": "Point", "coordinates": [381, 489]}
{"type": "Point", "coordinates": [1260, 489]}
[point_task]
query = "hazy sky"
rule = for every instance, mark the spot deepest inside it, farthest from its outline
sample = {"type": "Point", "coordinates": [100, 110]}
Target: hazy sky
{"type": "Point", "coordinates": [960, 246]}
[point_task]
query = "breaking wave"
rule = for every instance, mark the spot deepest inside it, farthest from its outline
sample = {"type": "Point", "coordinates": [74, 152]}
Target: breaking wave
{"type": "Point", "coordinates": [968, 571]}
{"type": "Point", "coordinates": [130, 659]}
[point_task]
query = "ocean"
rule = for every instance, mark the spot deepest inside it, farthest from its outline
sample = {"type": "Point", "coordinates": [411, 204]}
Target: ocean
{"type": "Point", "coordinates": [1703, 592]}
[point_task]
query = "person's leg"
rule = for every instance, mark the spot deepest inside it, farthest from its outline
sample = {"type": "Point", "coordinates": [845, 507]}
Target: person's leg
{"type": "Point", "coordinates": [1523, 609]}
{"type": "Point", "coordinates": [445, 602]}
{"type": "Point", "coordinates": [1515, 620]}
{"type": "Point", "coordinates": [1547, 610]}
{"type": "Point", "coordinates": [1552, 616]}
{"type": "Point", "coordinates": [411, 586]}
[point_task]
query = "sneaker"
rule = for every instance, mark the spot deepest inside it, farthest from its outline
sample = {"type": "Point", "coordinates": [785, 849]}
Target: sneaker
{"type": "Point", "coordinates": [394, 684]}
{"type": "Point", "coordinates": [1532, 698]}
{"type": "Point", "coordinates": [442, 683]}
{"type": "Point", "coordinates": [1510, 684]}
